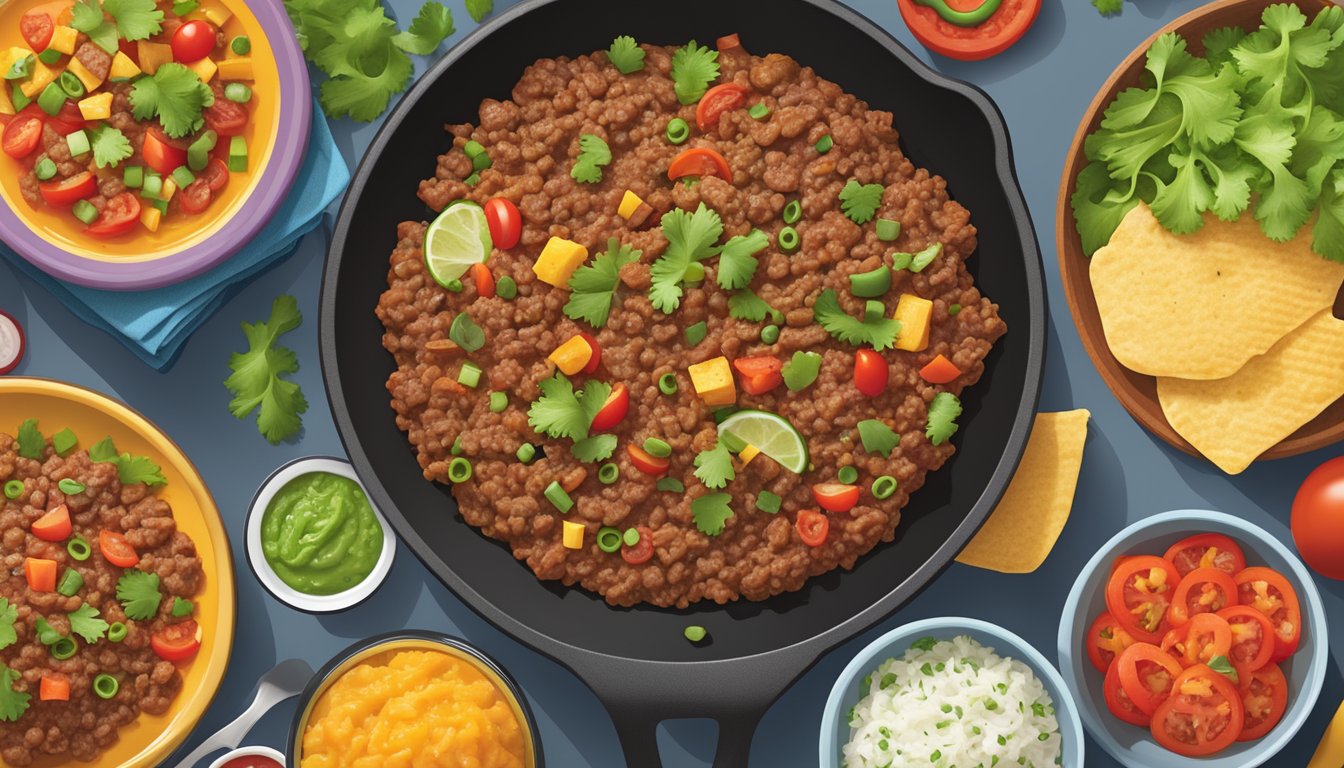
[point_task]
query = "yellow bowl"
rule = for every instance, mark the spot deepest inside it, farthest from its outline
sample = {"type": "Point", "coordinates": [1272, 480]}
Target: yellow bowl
{"type": "Point", "coordinates": [151, 738]}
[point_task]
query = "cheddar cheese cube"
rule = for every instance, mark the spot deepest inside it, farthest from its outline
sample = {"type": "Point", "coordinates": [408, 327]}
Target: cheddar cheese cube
{"type": "Point", "coordinates": [573, 535]}
{"type": "Point", "coordinates": [629, 203]}
{"type": "Point", "coordinates": [97, 107]}
{"type": "Point", "coordinates": [122, 67]}
{"type": "Point", "coordinates": [204, 68]}
{"type": "Point", "coordinates": [63, 39]}
{"type": "Point", "coordinates": [558, 260]}
{"type": "Point", "coordinates": [6, 106]}
{"type": "Point", "coordinates": [150, 217]}
{"type": "Point", "coordinates": [713, 381]}
{"type": "Point", "coordinates": [215, 12]}
{"type": "Point", "coordinates": [153, 55]}
{"type": "Point", "coordinates": [236, 69]}
{"type": "Point", "coordinates": [44, 76]}
{"type": "Point", "coordinates": [169, 189]}
{"type": "Point", "coordinates": [572, 356]}
{"type": "Point", "coordinates": [914, 313]}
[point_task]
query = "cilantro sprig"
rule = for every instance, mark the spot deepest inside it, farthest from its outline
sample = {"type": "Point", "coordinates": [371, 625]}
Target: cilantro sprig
{"type": "Point", "coordinates": [130, 469]}
{"type": "Point", "coordinates": [877, 437]}
{"type": "Point", "coordinates": [594, 448]}
{"type": "Point", "coordinates": [31, 443]}
{"type": "Point", "coordinates": [592, 287]}
{"type": "Point", "coordinates": [563, 412]}
{"type": "Point", "coordinates": [12, 703]}
{"type": "Point", "coordinates": [690, 238]}
{"type": "Point", "coordinates": [8, 615]}
{"type": "Point", "coordinates": [860, 202]}
{"type": "Point", "coordinates": [942, 420]}
{"type": "Point", "coordinates": [110, 146]}
{"type": "Point", "coordinates": [176, 96]}
{"type": "Point", "coordinates": [880, 334]}
{"type": "Point", "coordinates": [129, 20]}
{"type": "Point", "coordinates": [737, 262]}
{"type": "Point", "coordinates": [84, 622]}
{"type": "Point", "coordinates": [594, 154]}
{"type": "Point", "coordinates": [714, 467]}
{"type": "Point", "coordinates": [626, 55]}
{"type": "Point", "coordinates": [694, 67]}
{"type": "Point", "coordinates": [745, 305]}
{"type": "Point", "coordinates": [479, 9]}
{"type": "Point", "coordinates": [711, 512]}
{"type": "Point", "coordinates": [139, 594]}
{"type": "Point", "coordinates": [256, 380]}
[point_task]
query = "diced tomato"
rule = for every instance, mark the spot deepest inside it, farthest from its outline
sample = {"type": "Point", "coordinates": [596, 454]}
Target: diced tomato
{"type": "Point", "coordinates": [68, 120]}
{"type": "Point", "coordinates": [642, 552]}
{"type": "Point", "coordinates": [216, 175]}
{"type": "Point", "coordinates": [1264, 696]}
{"type": "Point", "coordinates": [53, 526]}
{"type": "Point", "coordinates": [939, 370]}
{"type": "Point", "coordinates": [177, 642]}
{"type": "Point", "coordinates": [227, 118]}
{"type": "Point", "coordinates": [161, 153]}
{"type": "Point", "coordinates": [728, 42]}
{"type": "Point", "coordinates": [68, 191]}
{"type": "Point", "coordinates": [196, 197]}
{"type": "Point", "coordinates": [593, 361]}
{"type": "Point", "coordinates": [21, 137]}
{"type": "Point", "coordinates": [836, 497]}
{"type": "Point", "coordinates": [1138, 595]}
{"type": "Point", "coordinates": [870, 372]}
{"type": "Point", "coordinates": [1252, 638]}
{"type": "Point", "coordinates": [117, 550]}
{"type": "Point", "coordinates": [120, 215]}
{"type": "Point", "coordinates": [716, 101]}
{"type": "Point", "coordinates": [813, 527]}
{"type": "Point", "coordinates": [1146, 673]}
{"type": "Point", "coordinates": [1117, 701]}
{"type": "Point", "coordinates": [646, 463]}
{"type": "Point", "coordinates": [131, 49]}
{"type": "Point", "coordinates": [193, 41]}
{"type": "Point", "coordinates": [1203, 590]}
{"type": "Point", "coordinates": [37, 29]}
{"type": "Point", "coordinates": [40, 573]}
{"type": "Point", "coordinates": [1206, 550]}
{"type": "Point", "coordinates": [1203, 715]}
{"type": "Point", "coordinates": [1106, 639]}
{"type": "Point", "coordinates": [54, 687]}
{"type": "Point", "coordinates": [700, 161]}
{"type": "Point", "coordinates": [613, 410]}
{"type": "Point", "coordinates": [1267, 591]}
{"type": "Point", "coordinates": [759, 374]}
{"type": "Point", "coordinates": [505, 222]}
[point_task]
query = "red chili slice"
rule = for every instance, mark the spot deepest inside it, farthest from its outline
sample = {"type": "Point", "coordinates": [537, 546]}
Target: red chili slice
{"type": "Point", "coordinates": [716, 101]}
{"type": "Point", "coordinates": [700, 161]}
{"type": "Point", "coordinates": [642, 552]}
{"type": "Point", "coordinates": [813, 527]}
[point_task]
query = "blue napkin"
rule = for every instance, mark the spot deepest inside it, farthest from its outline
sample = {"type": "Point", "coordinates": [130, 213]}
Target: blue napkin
{"type": "Point", "coordinates": [155, 324]}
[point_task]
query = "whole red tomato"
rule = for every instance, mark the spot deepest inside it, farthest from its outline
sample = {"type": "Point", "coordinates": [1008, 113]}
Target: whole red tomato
{"type": "Point", "coordinates": [1318, 519]}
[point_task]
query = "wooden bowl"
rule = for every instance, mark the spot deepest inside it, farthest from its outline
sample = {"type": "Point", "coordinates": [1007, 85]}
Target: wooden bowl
{"type": "Point", "coordinates": [1135, 391]}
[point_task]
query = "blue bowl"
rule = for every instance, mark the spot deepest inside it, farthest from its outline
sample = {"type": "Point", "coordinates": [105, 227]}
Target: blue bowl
{"type": "Point", "coordinates": [1132, 745]}
{"type": "Point", "coordinates": [846, 692]}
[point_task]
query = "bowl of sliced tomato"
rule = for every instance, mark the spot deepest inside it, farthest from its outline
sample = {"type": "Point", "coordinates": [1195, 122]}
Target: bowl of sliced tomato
{"type": "Point", "coordinates": [1193, 637]}
{"type": "Point", "coordinates": [143, 143]}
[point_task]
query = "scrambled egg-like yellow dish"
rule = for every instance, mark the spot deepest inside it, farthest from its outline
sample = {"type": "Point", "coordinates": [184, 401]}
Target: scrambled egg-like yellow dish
{"type": "Point", "coordinates": [413, 709]}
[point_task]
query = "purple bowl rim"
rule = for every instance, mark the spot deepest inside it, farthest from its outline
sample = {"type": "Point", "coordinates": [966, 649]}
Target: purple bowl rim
{"type": "Point", "coordinates": [295, 116]}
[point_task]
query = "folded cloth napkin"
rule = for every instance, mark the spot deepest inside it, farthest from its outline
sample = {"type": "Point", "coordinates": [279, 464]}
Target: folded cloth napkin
{"type": "Point", "coordinates": [155, 324]}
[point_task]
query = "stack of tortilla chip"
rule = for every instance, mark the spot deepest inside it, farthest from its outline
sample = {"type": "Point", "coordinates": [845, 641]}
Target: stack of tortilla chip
{"type": "Point", "coordinates": [1238, 329]}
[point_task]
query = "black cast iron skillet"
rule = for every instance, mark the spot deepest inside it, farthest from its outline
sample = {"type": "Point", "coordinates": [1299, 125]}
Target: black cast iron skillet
{"type": "Point", "coordinates": [636, 660]}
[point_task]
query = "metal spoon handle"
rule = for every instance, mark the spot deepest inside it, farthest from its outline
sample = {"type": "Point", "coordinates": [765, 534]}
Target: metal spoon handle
{"type": "Point", "coordinates": [277, 685]}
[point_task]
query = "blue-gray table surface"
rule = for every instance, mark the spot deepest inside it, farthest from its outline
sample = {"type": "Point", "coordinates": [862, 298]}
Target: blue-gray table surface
{"type": "Point", "coordinates": [1042, 85]}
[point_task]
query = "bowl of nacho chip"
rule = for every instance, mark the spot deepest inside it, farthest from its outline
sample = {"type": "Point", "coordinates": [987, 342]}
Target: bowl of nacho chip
{"type": "Point", "coordinates": [1201, 231]}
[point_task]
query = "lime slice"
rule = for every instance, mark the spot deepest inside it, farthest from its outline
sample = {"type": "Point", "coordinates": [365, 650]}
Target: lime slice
{"type": "Point", "coordinates": [772, 435]}
{"type": "Point", "coordinates": [458, 238]}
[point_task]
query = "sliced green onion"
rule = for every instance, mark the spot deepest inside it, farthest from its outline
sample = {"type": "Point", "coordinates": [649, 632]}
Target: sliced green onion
{"type": "Point", "coordinates": [901, 260]}
{"type": "Point", "coordinates": [667, 384]}
{"type": "Point", "coordinates": [70, 583]}
{"type": "Point", "coordinates": [469, 375]}
{"type": "Point", "coordinates": [152, 186]}
{"type": "Point", "coordinates": [868, 285]}
{"type": "Point", "coordinates": [788, 240]}
{"type": "Point", "coordinates": [695, 633]}
{"type": "Point", "coordinates": [198, 154]}
{"type": "Point", "coordinates": [824, 144]}
{"type": "Point", "coordinates": [70, 487]}
{"type": "Point", "coordinates": [506, 288]}
{"type": "Point", "coordinates": [925, 257]}
{"type": "Point", "coordinates": [473, 148]}
{"type": "Point", "coordinates": [456, 448]}
{"type": "Point", "coordinates": [759, 111]}
{"type": "Point", "coordinates": [21, 69]}
{"type": "Point", "coordinates": [608, 473]}
{"type": "Point", "coordinates": [696, 333]}
{"type": "Point", "coordinates": [50, 56]}
{"type": "Point", "coordinates": [558, 497]}
{"type": "Point", "coordinates": [238, 93]}
{"type": "Point", "coordinates": [793, 212]}
{"type": "Point", "coordinates": [238, 154]}
{"type": "Point", "coordinates": [13, 489]}
{"type": "Point", "coordinates": [888, 230]}
{"type": "Point", "coordinates": [73, 86]}
{"type": "Point", "coordinates": [241, 45]}
{"type": "Point", "coordinates": [670, 484]}
{"type": "Point", "coordinates": [657, 447]}
{"type": "Point", "coordinates": [770, 334]}
{"type": "Point", "coordinates": [953, 309]}
{"type": "Point", "coordinates": [133, 176]}
{"type": "Point", "coordinates": [459, 470]}
{"type": "Point", "coordinates": [481, 162]}
{"type": "Point", "coordinates": [79, 549]}
{"type": "Point", "coordinates": [768, 502]}
{"type": "Point", "coordinates": [472, 180]}
{"type": "Point", "coordinates": [873, 311]}
{"type": "Point", "coordinates": [678, 131]}
{"type": "Point", "coordinates": [45, 170]}
{"type": "Point", "coordinates": [526, 452]}
{"type": "Point", "coordinates": [609, 540]}
{"type": "Point", "coordinates": [498, 402]}
{"type": "Point", "coordinates": [85, 211]}
{"type": "Point", "coordinates": [630, 537]}
{"type": "Point", "coordinates": [183, 177]}
{"type": "Point", "coordinates": [847, 474]}
{"type": "Point", "coordinates": [466, 333]}
{"type": "Point", "coordinates": [63, 649]}
{"type": "Point", "coordinates": [116, 632]}
{"type": "Point", "coordinates": [106, 686]}
{"type": "Point", "coordinates": [63, 442]}
{"type": "Point", "coordinates": [78, 142]}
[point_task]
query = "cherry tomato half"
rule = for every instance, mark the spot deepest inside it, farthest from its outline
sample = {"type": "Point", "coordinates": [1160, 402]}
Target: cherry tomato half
{"type": "Point", "coordinates": [1203, 590]}
{"type": "Point", "coordinates": [759, 374]}
{"type": "Point", "coordinates": [813, 527]}
{"type": "Point", "coordinates": [870, 372]}
{"type": "Point", "coordinates": [193, 41]}
{"type": "Point", "coordinates": [216, 175]}
{"type": "Point", "coordinates": [1252, 638]}
{"type": "Point", "coordinates": [21, 137]}
{"type": "Point", "coordinates": [1318, 519]}
{"type": "Point", "coordinates": [120, 215]}
{"type": "Point", "coordinates": [37, 28]}
{"type": "Point", "coordinates": [595, 359]}
{"type": "Point", "coordinates": [117, 550]}
{"type": "Point", "coordinates": [645, 462]}
{"type": "Point", "coordinates": [1267, 591]}
{"type": "Point", "coordinates": [178, 642]}
{"type": "Point", "coordinates": [1203, 715]}
{"type": "Point", "coordinates": [969, 43]}
{"type": "Point", "coordinates": [53, 526]}
{"type": "Point", "coordinates": [1264, 696]}
{"type": "Point", "coordinates": [68, 120]}
{"type": "Point", "coordinates": [161, 153]}
{"type": "Point", "coordinates": [227, 118]}
{"type": "Point", "coordinates": [1146, 673]}
{"type": "Point", "coordinates": [642, 552]}
{"type": "Point", "coordinates": [196, 197]}
{"type": "Point", "coordinates": [1118, 701]}
{"type": "Point", "coordinates": [700, 161]}
{"type": "Point", "coordinates": [1138, 594]}
{"type": "Point", "coordinates": [613, 410]}
{"type": "Point", "coordinates": [1105, 640]}
{"type": "Point", "coordinates": [836, 497]}
{"type": "Point", "coordinates": [1206, 550]}
{"type": "Point", "coordinates": [505, 222]}
{"type": "Point", "coordinates": [716, 101]}
{"type": "Point", "coordinates": [67, 191]}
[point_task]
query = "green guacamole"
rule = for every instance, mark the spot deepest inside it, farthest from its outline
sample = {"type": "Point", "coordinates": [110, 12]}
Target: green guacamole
{"type": "Point", "coordinates": [320, 535]}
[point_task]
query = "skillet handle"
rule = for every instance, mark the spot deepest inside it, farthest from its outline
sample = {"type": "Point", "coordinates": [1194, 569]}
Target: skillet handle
{"type": "Point", "coordinates": [638, 733]}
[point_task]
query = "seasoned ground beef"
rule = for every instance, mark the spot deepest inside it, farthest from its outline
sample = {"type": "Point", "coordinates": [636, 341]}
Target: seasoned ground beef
{"type": "Point", "coordinates": [84, 726]}
{"type": "Point", "coordinates": [532, 140]}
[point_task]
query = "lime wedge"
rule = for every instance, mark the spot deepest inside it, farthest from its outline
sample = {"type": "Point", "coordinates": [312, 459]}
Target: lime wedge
{"type": "Point", "coordinates": [772, 435]}
{"type": "Point", "coordinates": [458, 238]}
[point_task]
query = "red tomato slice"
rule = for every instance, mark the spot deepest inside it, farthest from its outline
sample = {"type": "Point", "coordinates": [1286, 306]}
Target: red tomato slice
{"type": "Point", "coordinates": [1252, 637]}
{"type": "Point", "coordinates": [1138, 595]}
{"type": "Point", "coordinates": [939, 370]}
{"type": "Point", "coordinates": [759, 374]}
{"type": "Point", "coordinates": [613, 410]}
{"type": "Point", "coordinates": [21, 137]}
{"type": "Point", "coordinates": [68, 191]}
{"type": "Point", "coordinates": [1106, 640]}
{"type": "Point", "coordinates": [1146, 673]}
{"type": "Point", "coordinates": [1206, 550]}
{"type": "Point", "coordinates": [813, 527]}
{"type": "Point", "coordinates": [836, 497]}
{"type": "Point", "coordinates": [196, 197]}
{"type": "Point", "coordinates": [1264, 696]}
{"type": "Point", "coordinates": [216, 175]}
{"type": "Point", "coordinates": [594, 360]}
{"type": "Point", "coordinates": [117, 550]}
{"type": "Point", "coordinates": [1203, 715]}
{"type": "Point", "coordinates": [700, 161]}
{"type": "Point", "coordinates": [642, 552]}
{"type": "Point", "coordinates": [178, 642]}
{"type": "Point", "coordinates": [227, 118]}
{"type": "Point", "coordinates": [870, 372]}
{"type": "Point", "coordinates": [505, 222]}
{"type": "Point", "coordinates": [161, 154]}
{"type": "Point", "coordinates": [1203, 590]}
{"type": "Point", "coordinates": [193, 41]}
{"type": "Point", "coordinates": [1202, 639]}
{"type": "Point", "coordinates": [119, 216]}
{"type": "Point", "coordinates": [1118, 701]}
{"type": "Point", "coordinates": [37, 29]}
{"type": "Point", "coordinates": [68, 120]}
{"type": "Point", "coordinates": [1267, 591]}
{"type": "Point", "coordinates": [53, 526]}
{"type": "Point", "coordinates": [759, 385]}
{"type": "Point", "coordinates": [1005, 27]}
{"type": "Point", "coordinates": [647, 463]}
{"type": "Point", "coordinates": [716, 101]}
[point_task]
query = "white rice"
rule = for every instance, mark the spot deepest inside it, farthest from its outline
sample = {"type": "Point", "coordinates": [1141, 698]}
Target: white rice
{"type": "Point", "coordinates": [953, 703]}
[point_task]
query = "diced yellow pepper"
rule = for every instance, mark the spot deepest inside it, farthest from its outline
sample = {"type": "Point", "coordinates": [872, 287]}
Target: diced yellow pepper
{"type": "Point", "coordinates": [122, 67]}
{"type": "Point", "coordinates": [6, 106]}
{"type": "Point", "coordinates": [150, 217]}
{"type": "Point", "coordinates": [97, 107]}
{"type": "Point", "coordinates": [44, 76]}
{"type": "Point", "coordinates": [572, 356]}
{"type": "Point", "coordinates": [629, 203]}
{"type": "Point", "coordinates": [749, 453]}
{"type": "Point", "coordinates": [12, 55]}
{"type": "Point", "coordinates": [153, 55]}
{"type": "Point", "coordinates": [558, 260]}
{"type": "Point", "coordinates": [63, 39]}
{"type": "Point", "coordinates": [713, 381]}
{"type": "Point", "coordinates": [169, 189]}
{"type": "Point", "coordinates": [204, 68]}
{"type": "Point", "coordinates": [215, 12]}
{"type": "Point", "coordinates": [573, 535]}
{"type": "Point", "coordinates": [236, 69]}
{"type": "Point", "coordinates": [914, 313]}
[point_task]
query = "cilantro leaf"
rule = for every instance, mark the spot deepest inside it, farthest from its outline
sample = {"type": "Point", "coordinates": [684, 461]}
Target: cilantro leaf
{"type": "Point", "coordinates": [8, 615]}
{"type": "Point", "coordinates": [694, 67]}
{"type": "Point", "coordinates": [1285, 200]}
{"type": "Point", "coordinates": [84, 622]}
{"type": "Point", "coordinates": [801, 370]}
{"type": "Point", "coordinates": [110, 146]}
{"type": "Point", "coordinates": [594, 448]}
{"type": "Point", "coordinates": [711, 512]}
{"type": "Point", "coordinates": [690, 237]}
{"type": "Point", "coordinates": [182, 608]}
{"type": "Point", "coordinates": [592, 287]}
{"type": "Point", "coordinates": [255, 378]}
{"type": "Point", "coordinates": [593, 155]}
{"type": "Point", "coordinates": [562, 412]}
{"type": "Point", "coordinates": [365, 97]}
{"type": "Point", "coordinates": [860, 201]}
{"type": "Point", "coordinates": [737, 262]}
{"type": "Point", "coordinates": [87, 16]}
{"type": "Point", "coordinates": [879, 335]}
{"type": "Point", "coordinates": [1328, 235]}
{"type": "Point", "coordinates": [1108, 7]}
{"type": "Point", "coordinates": [626, 55]}
{"type": "Point", "coordinates": [877, 437]}
{"type": "Point", "coordinates": [176, 96]}
{"type": "Point", "coordinates": [428, 29]}
{"type": "Point", "coordinates": [479, 9]}
{"type": "Point", "coordinates": [12, 703]}
{"type": "Point", "coordinates": [714, 467]}
{"type": "Point", "coordinates": [31, 443]}
{"type": "Point", "coordinates": [139, 594]}
{"type": "Point", "coordinates": [136, 19]}
{"type": "Point", "coordinates": [1095, 216]}
{"type": "Point", "coordinates": [1218, 44]}
{"type": "Point", "coordinates": [943, 413]}
{"type": "Point", "coordinates": [1223, 666]}
{"type": "Point", "coordinates": [103, 451]}
{"type": "Point", "coordinates": [130, 469]}
{"type": "Point", "coordinates": [745, 305]}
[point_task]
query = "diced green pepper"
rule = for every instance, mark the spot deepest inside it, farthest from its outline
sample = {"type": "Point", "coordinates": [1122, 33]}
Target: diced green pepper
{"type": "Point", "coordinates": [21, 69]}
{"type": "Point", "coordinates": [78, 142]}
{"type": "Point", "coordinates": [73, 86]}
{"type": "Point", "coordinates": [50, 57]}
{"type": "Point", "coordinates": [133, 176]}
{"type": "Point", "coordinates": [183, 177]}
{"type": "Point", "coordinates": [45, 169]}
{"type": "Point", "coordinates": [51, 99]}
{"type": "Point", "coordinates": [17, 97]}
{"type": "Point", "coordinates": [198, 154]}
{"type": "Point", "coordinates": [84, 211]}
{"type": "Point", "coordinates": [64, 441]}
{"type": "Point", "coordinates": [238, 154]}
{"type": "Point", "coordinates": [151, 186]}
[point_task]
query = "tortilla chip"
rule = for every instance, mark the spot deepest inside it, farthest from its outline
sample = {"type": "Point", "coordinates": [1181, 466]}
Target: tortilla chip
{"type": "Point", "coordinates": [1023, 529]}
{"type": "Point", "coordinates": [1200, 306]}
{"type": "Point", "coordinates": [1232, 421]}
